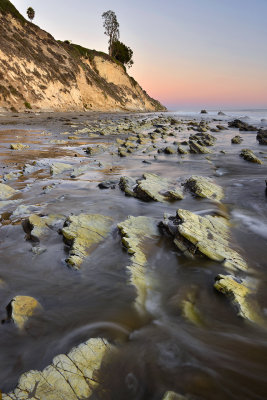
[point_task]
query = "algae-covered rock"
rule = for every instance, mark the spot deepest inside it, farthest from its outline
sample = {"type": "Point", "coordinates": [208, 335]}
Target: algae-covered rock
{"type": "Point", "coordinates": [6, 191]}
{"type": "Point", "coordinates": [197, 148]}
{"type": "Point", "coordinates": [83, 233]}
{"type": "Point", "coordinates": [19, 146]}
{"type": "Point", "coordinates": [58, 168]}
{"type": "Point", "coordinates": [69, 377]}
{"type": "Point", "coordinates": [237, 139]}
{"type": "Point", "coordinates": [204, 187]}
{"type": "Point", "coordinates": [239, 293]}
{"type": "Point", "coordinates": [170, 150]}
{"type": "Point", "coordinates": [135, 232]}
{"type": "Point", "coordinates": [127, 185]}
{"type": "Point", "coordinates": [262, 136]}
{"type": "Point", "coordinates": [181, 150]}
{"type": "Point", "coordinates": [210, 235]}
{"type": "Point", "coordinates": [92, 151]}
{"type": "Point", "coordinates": [21, 308]}
{"type": "Point", "coordinates": [38, 227]}
{"type": "Point", "coordinates": [248, 155]}
{"type": "Point", "coordinates": [154, 187]}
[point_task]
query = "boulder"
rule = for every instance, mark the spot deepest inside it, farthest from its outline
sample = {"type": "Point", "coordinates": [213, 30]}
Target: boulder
{"type": "Point", "coordinates": [170, 150]}
{"type": "Point", "coordinates": [154, 187]}
{"type": "Point", "coordinates": [209, 236]}
{"type": "Point", "coordinates": [83, 233]}
{"type": "Point", "coordinates": [21, 308]}
{"type": "Point", "coordinates": [92, 151]}
{"type": "Point", "coordinates": [203, 112]}
{"type": "Point", "coordinates": [240, 295]}
{"type": "Point", "coordinates": [221, 113]}
{"type": "Point", "coordinates": [111, 184]}
{"type": "Point", "coordinates": [135, 232]}
{"type": "Point", "coordinates": [6, 191]}
{"type": "Point", "coordinates": [38, 227]}
{"type": "Point", "coordinates": [203, 139]}
{"type": "Point", "coordinates": [237, 139]}
{"type": "Point", "coordinates": [69, 377]}
{"type": "Point", "coordinates": [262, 136]}
{"type": "Point", "coordinates": [204, 187]}
{"type": "Point", "coordinates": [248, 155]}
{"type": "Point", "coordinates": [127, 185]}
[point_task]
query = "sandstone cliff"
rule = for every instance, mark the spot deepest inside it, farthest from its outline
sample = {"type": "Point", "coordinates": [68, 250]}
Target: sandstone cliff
{"type": "Point", "coordinates": [38, 72]}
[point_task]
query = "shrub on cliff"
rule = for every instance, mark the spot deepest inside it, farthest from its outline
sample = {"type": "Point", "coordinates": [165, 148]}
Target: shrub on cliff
{"type": "Point", "coordinates": [31, 13]}
{"type": "Point", "coordinates": [122, 53]}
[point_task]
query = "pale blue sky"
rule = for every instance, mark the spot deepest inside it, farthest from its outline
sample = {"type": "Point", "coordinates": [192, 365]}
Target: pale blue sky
{"type": "Point", "coordinates": [187, 52]}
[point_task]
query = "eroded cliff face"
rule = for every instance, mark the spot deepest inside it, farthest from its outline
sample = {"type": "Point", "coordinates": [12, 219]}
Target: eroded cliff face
{"type": "Point", "coordinates": [39, 72]}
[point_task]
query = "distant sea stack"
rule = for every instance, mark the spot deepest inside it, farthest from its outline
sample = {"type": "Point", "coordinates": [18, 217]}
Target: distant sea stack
{"type": "Point", "coordinates": [40, 73]}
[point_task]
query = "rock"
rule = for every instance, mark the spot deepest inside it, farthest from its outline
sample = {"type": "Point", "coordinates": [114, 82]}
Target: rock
{"type": "Point", "coordinates": [127, 185]}
{"type": "Point", "coordinates": [122, 152]}
{"type": "Point", "coordinates": [239, 293]}
{"type": "Point", "coordinates": [204, 187]}
{"type": "Point", "coordinates": [170, 150]}
{"type": "Point", "coordinates": [221, 128]}
{"type": "Point", "coordinates": [8, 203]}
{"type": "Point", "coordinates": [173, 396]}
{"type": "Point", "coordinates": [11, 176]}
{"type": "Point", "coordinates": [92, 151]}
{"type": "Point", "coordinates": [23, 211]}
{"type": "Point", "coordinates": [154, 187]}
{"type": "Point", "coordinates": [221, 113]}
{"type": "Point", "coordinates": [58, 168]}
{"type": "Point", "coordinates": [203, 112]}
{"type": "Point", "coordinates": [57, 141]}
{"type": "Point", "coordinates": [83, 233]}
{"type": "Point", "coordinates": [21, 308]}
{"type": "Point", "coordinates": [248, 155]}
{"type": "Point", "coordinates": [135, 232]}
{"type": "Point", "coordinates": [209, 236]}
{"type": "Point", "coordinates": [19, 146]}
{"type": "Point", "coordinates": [111, 184]}
{"type": "Point", "coordinates": [36, 227]}
{"type": "Point", "coordinates": [242, 126]}
{"type": "Point", "coordinates": [181, 150]}
{"type": "Point", "coordinates": [79, 171]}
{"type": "Point", "coordinates": [262, 136]}
{"type": "Point", "coordinates": [190, 310]}
{"type": "Point", "coordinates": [237, 139]}
{"type": "Point", "coordinates": [197, 148]}
{"type": "Point", "coordinates": [69, 377]}
{"type": "Point", "coordinates": [37, 250]}
{"type": "Point", "coordinates": [203, 139]}
{"type": "Point", "coordinates": [6, 191]}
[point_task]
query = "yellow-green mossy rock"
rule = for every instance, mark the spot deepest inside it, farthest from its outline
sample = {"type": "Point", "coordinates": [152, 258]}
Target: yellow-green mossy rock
{"type": "Point", "coordinates": [248, 155]}
{"type": "Point", "coordinates": [83, 233]}
{"type": "Point", "coordinates": [69, 377]}
{"type": "Point", "coordinates": [239, 293]}
{"type": "Point", "coordinates": [6, 191]}
{"type": "Point", "coordinates": [135, 231]}
{"type": "Point", "coordinates": [37, 227]}
{"type": "Point", "coordinates": [207, 235]}
{"type": "Point", "coordinates": [19, 146]}
{"type": "Point", "coordinates": [197, 148]}
{"type": "Point", "coordinates": [154, 187]}
{"type": "Point", "coordinates": [22, 308]}
{"type": "Point", "coordinates": [204, 187]}
{"type": "Point", "coordinates": [58, 168]}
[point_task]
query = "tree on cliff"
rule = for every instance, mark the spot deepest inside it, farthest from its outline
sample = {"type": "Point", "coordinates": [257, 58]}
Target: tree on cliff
{"type": "Point", "coordinates": [31, 13]}
{"type": "Point", "coordinates": [122, 53]}
{"type": "Point", "coordinates": [111, 26]}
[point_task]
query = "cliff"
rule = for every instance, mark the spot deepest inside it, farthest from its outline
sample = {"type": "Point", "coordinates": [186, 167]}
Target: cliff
{"type": "Point", "coordinates": [38, 72]}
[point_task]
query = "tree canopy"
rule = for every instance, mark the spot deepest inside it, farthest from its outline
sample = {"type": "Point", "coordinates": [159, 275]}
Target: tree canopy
{"type": "Point", "coordinates": [111, 26]}
{"type": "Point", "coordinates": [31, 13]}
{"type": "Point", "coordinates": [122, 53]}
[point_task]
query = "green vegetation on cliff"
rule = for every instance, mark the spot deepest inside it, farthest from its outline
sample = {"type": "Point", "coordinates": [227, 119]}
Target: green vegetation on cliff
{"type": "Point", "coordinates": [6, 7]}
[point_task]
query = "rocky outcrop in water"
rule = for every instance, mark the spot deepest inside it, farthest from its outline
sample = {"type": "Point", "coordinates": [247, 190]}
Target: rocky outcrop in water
{"type": "Point", "coordinates": [6, 191]}
{"type": "Point", "coordinates": [237, 139]}
{"type": "Point", "coordinates": [262, 136]}
{"type": "Point", "coordinates": [204, 187]}
{"type": "Point", "coordinates": [69, 377]}
{"type": "Point", "coordinates": [242, 126]}
{"type": "Point", "coordinates": [208, 236]}
{"type": "Point", "coordinates": [248, 155]}
{"type": "Point", "coordinates": [21, 309]}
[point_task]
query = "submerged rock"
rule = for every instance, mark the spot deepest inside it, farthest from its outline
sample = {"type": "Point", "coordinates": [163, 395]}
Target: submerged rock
{"type": "Point", "coordinates": [237, 139]}
{"type": "Point", "coordinates": [204, 187]}
{"type": "Point", "coordinates": [69, 377]}
{"type": "Point", "coordinates": [135, 231]}
{"type": "Point", "coordinates": [209, 236]}
{"type": "Point", "coordinates": [83, 233]}
{"type": "Point", "coordinates": [111, 184]}
{"type": "Point", "coordinates": [6, 191]}
{"type": "Point", "coordinates": [21, 308]}
{"type": "Point", "coordinates": [262, 136]}
{"type": "Point", "coordinates": [239, 293]}
{"type": "Point", "coordinates": [58, 168]}
{"type": "Point", "coordinates": [248, 155]}
{"type": "Point", "coordinates": [174, 396]}
{"type": "Point", "coordinates": [19, 146]}
{"type": "Point", "coordinates": [12, 175]}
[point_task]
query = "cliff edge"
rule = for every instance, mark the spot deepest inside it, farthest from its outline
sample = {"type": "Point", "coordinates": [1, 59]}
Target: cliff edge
{"type": "Point", "coordinates": [39, 72]}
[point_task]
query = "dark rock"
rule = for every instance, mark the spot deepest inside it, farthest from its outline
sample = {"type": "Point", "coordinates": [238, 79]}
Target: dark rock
{"type": "Point", "coordinates": [237, 139]}
{"type": "Point", "coordinates": [203, 112]}
{"type": "Point", "coordinates": [111, 184]}
{"type": "Point", "coordinates": [262, 136]}
{"type": "Point", "coordinates": [242, 126]}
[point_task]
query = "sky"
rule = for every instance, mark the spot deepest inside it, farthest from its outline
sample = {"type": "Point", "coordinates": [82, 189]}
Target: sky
{"type": "Point", "coordinates": [188, 54]}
